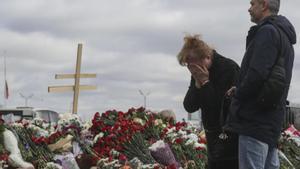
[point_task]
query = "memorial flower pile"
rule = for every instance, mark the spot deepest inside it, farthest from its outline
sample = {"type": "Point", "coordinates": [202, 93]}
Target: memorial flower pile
{"type": "Point", "coordinates": [133, 134]}
{"type": "Point", "coordinates": [136, 139]}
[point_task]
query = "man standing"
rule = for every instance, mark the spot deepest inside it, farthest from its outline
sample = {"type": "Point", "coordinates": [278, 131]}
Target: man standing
{"type": "Point", "coordinates": [259, 128]}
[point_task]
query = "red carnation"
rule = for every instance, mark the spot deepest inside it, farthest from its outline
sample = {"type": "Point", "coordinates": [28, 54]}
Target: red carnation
{"type": "Point", "coordinates": [122, 157]}
{"type": "Point", "coordinates": [179, 140]}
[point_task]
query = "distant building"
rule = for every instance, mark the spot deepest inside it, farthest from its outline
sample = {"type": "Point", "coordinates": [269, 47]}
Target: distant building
{"type": "Point", "coordinates": [29, 113]}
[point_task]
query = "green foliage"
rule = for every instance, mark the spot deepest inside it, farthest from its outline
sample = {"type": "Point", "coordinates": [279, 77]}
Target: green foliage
{"type": "Point", "coordinates": [138, 147]}
{"type": "Point", "coordinates": [292, 152]}
{"type": "Point", "coordinates": [2, 129]}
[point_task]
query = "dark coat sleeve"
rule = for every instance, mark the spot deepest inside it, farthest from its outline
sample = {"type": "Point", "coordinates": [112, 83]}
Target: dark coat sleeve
{"type": "Point", "coordinates": [209, 96]}
{"type": "Point", "coordinates": [198, 98]}
{"type": "Point", "coordinates": [264, 54]}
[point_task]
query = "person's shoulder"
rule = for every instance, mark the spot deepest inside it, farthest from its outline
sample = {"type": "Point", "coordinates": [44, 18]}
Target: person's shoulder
{"type": "Point", "coordinates": [232, 64]}
{"type": "Point", "coordinates": [267, 28]}
{"type": "Point", "coordinates": [266, 32]}
{"type": "Point", "coordinates": [224, 58]}
{"type": "Point", "coordinates": [227, 62]}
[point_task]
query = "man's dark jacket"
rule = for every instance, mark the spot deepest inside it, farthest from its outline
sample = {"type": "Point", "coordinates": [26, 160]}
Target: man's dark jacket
{"type": "Point", "coordinates": [223, 74]}
{"type": "Point", "coordinates": [264, 43]}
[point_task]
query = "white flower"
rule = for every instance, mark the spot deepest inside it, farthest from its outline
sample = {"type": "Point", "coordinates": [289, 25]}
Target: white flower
{"type": "Point", "coordinates": [157, 145]}
{"type": "Point", "coordinates": [38, 120]}
{"type": "Point", "coordinates": [52, 165]}
{"type": "Point", "coordinates": [295, 139]}
{"type": "Point", "coordinates": [172, 135]}
{"type": "Point", "coordinates": [190, 142]}
{"type": "Point", "coordinates": [43, 133]}
{"type": "Point", "coordinates": [98, 136]}
{"type": "Point", "coordinates": [193, 137]}
{"type": "Point", "coordinates": [148, 166]}
{"type": "Point", "coordinates": [17, 125]}
{"type": "Point", "coordinates": [196, 145]}
{"type": "Point", "coordinates": [191, 126]}
{"type": "Point", "coordinates": [87, 125]}
{"type": "Point", "coordinates": [181, 132]}
{"type": "Point", "coordinates": [138, 120]}
{"type": "Point", "coordinates": [104, 162]}
{"type": "Point", "coordinates": [115, 153]}
{"type": "Point", "coordinates": [171, 130]}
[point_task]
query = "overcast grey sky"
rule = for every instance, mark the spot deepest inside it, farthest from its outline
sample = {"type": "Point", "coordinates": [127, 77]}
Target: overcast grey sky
{"type": "Point", "coordinates": [130, 45]}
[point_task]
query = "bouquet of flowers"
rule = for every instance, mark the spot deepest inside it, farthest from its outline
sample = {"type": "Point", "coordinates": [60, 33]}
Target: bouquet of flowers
{"type": "Point", "coordinates": [138, 147]}
{"type": "Point", "coordinates": [163, 154]}
{"type": "Point", "coordinates": [289, 147]}
{"type": "Point", "coordinates": [29, 148]}
{"type": "Point", "coordinates": [111, 130]}
{"type": "Point", "coordinates": [186, 145]}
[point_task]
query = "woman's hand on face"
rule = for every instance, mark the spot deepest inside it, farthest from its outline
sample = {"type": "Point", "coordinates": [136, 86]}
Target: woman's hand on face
{"type": "Point", "coordinates": [200, 73]}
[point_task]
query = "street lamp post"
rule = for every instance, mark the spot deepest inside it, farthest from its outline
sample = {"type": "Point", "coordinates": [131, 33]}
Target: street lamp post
{"type": "Point", "coordinates": [144, 96]}
{"type": "Point", "coordinates": [26, 98]}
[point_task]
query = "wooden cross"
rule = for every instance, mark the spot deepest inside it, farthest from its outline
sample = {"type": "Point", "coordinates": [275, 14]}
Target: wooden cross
{"type": "Point", "coordinates": [77, 85]}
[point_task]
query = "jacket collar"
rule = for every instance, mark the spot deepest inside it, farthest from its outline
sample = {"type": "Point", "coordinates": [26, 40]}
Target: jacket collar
{"type": "Point", "coordinates": [253, 29]}
{"type": "Point", "coordinates": [266, 20]}
{"type": "Point", "coordinates": [215, 60]}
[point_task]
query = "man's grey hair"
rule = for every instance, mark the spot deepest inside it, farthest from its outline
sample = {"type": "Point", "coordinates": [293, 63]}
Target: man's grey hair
{"type": "Point", "coordinates": [274, 5]}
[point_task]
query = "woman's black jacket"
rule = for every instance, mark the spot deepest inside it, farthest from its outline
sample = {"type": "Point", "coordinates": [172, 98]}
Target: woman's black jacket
{"type": "Point", "coordinates": [223, 74]}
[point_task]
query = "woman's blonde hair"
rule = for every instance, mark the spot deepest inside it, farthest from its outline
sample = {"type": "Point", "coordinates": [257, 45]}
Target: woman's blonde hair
{"type": "Point", "coordinates": [193, 43]}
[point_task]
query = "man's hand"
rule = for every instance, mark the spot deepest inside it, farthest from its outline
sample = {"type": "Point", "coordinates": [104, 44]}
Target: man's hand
{"type": "Point", "coordinates": [200, 74]}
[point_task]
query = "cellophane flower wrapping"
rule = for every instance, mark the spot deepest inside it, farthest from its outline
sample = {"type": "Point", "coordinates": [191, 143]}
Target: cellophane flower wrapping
{"type": "Point", "coordinates": [163, 154]}
{"type": "Point", "coordinates": [67, 160]}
